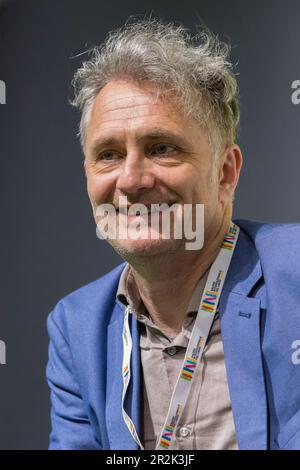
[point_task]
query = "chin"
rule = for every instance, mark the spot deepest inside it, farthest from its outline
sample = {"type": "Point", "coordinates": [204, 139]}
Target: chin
{"type": "Point", "coordinates": [144, 247]}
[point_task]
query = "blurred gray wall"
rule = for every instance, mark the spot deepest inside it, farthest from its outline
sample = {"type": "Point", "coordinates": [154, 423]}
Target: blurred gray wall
{"type": "Point", "coordinates": [48, 243]}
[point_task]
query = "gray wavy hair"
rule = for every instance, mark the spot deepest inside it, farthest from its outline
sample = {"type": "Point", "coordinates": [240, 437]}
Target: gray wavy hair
{"type": "Point", "coordinates": [194, 70]}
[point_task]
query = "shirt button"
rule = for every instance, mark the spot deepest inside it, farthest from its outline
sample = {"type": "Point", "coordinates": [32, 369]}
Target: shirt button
{"type": "Point", "coordinates": [184, 432]}
{"type": "Point", "coordinates": [172, 350]}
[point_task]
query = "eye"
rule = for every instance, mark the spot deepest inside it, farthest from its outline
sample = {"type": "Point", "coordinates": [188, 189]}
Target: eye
{"type": "Point", "coordinates": [162, 149]}
{"type": "Point", "coordinates": [108, 156]}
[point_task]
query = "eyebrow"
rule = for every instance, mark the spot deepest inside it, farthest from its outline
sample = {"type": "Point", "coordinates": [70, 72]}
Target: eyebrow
{"type": "Point", "coordinates": [153, 135]}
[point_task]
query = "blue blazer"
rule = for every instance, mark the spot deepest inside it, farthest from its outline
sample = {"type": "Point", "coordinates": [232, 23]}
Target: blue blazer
{"type": "Point", "coordinates": [260, 325]}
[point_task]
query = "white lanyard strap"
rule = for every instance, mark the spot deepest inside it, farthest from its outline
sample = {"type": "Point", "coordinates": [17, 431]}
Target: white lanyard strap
{"type": "Point", "coordinates": [205, 316]}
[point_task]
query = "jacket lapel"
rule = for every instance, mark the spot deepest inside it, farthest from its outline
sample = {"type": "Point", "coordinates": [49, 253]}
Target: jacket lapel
{"type": "Point", "coordinates": [118, 433]}
{"type": "Point", "coordinates": [240, 328]}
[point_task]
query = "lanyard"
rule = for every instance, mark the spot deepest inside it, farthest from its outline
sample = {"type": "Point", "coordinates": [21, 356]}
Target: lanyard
{"type": "Point", "coordinates": [205, 316]}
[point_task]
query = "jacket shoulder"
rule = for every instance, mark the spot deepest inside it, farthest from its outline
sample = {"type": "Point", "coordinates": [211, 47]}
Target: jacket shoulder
{"type": "Point", "coordinates": [277, 245]}
{"type": "Point", "coordinates": [97, 298]}
{"type": "Point", "coordinates": [258, 231]}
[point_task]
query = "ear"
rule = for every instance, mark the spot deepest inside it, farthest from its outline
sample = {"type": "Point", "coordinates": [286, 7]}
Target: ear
{"type": "Point", "coordinates": [230, 165]}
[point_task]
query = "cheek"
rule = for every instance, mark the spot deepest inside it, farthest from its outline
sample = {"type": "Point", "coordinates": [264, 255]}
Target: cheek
{"type": "Point", "coordinates": [204, 189]}
{"type": "Point", "coordinates": [181, 180]}
{"type": "Point", "coordinates": [99, 188]}
{"type": "Point", "coordinates": [196, 185]}
{"type": "Point", "coordinates": [195, 179]}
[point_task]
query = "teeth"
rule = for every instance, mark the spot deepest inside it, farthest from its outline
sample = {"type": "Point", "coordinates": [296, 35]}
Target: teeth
{"type": "Point", "coordinates": [146, 210]}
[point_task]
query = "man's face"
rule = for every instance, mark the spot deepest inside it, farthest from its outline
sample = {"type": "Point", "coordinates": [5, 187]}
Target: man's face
{"type": "Point", "coordinates": [142, 147]}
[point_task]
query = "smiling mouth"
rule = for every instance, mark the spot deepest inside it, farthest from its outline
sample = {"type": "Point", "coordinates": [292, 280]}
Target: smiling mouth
{"type": "Point", "coordinates": [148, 209]}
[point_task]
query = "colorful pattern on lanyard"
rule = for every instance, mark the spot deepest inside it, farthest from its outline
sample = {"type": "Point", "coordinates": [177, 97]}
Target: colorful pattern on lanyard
{"type": "Point", "coordinates": [205, 316]}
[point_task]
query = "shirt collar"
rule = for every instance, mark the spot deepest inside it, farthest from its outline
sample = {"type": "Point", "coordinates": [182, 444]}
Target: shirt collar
{"type": "Point", "coordinates": [128, 293]}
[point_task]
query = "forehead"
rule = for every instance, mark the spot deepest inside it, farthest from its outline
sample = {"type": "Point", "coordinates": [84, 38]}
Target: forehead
{"type": "Point", "coordinates": [123, 105]}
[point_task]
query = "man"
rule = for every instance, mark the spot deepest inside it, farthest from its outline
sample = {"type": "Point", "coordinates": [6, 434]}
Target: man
{"type": "Point", "coordinates": [176, 348]}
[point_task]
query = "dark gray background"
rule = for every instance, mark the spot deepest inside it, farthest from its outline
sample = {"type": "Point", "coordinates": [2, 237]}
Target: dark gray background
{"type": "Point", "coordinates": [48, 242]}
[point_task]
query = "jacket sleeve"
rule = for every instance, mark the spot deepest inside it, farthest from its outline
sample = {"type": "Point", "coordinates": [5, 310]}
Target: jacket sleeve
{"type": "Point", "coordinates": [71, 427]}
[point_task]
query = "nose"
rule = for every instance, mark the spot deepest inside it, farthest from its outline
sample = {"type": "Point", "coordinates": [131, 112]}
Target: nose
{"type": "Point", "coordinates": [135, 176]}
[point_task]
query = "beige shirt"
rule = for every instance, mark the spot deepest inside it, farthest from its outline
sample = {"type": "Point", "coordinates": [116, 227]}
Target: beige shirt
{"type": "Point", "coordinates": [207, 421]}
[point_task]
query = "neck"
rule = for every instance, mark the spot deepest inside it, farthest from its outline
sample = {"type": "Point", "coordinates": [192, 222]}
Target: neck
{"type": "Point", "coordinates": [166, 282]}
